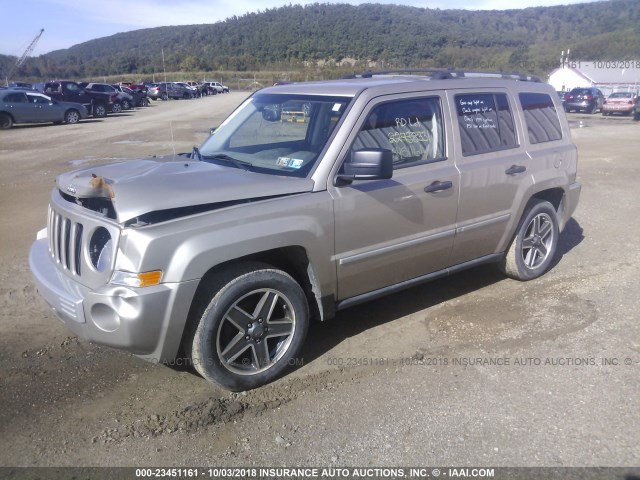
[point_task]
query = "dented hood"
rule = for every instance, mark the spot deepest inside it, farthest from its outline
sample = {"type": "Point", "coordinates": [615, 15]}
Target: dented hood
{"type": "Point", "coordinates": [142, 186]}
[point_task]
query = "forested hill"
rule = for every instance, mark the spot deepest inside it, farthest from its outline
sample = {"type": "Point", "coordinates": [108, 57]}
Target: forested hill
{"type": "Point", "coordinates": [392, 36]}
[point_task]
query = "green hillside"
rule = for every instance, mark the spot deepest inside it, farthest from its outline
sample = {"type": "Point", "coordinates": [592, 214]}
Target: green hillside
{"type": "Point", "coordinates": [392, 36]}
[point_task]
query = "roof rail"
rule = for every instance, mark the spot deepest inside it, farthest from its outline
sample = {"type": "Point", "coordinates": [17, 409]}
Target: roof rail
{"type": "Point", "coordinates": [443, 74]}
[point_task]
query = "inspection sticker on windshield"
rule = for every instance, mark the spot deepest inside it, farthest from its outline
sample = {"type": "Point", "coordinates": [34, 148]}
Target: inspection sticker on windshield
{"type": "Point", "coordinates": [289, 162]}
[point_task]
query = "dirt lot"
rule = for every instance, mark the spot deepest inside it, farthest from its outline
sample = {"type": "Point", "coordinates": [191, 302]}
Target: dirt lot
{"type": "Point", "coordinates": [399, 381]}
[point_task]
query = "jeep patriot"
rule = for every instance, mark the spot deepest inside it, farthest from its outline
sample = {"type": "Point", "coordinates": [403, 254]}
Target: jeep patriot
{"type": "Point", "coordinates": [308, 199]}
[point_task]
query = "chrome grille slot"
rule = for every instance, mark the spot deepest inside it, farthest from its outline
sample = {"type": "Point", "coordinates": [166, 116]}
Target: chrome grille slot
{"type": "Point", "coordinates": [65, 241]}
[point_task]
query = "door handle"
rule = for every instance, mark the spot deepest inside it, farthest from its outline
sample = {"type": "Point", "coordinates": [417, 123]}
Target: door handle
{"type": "Point", "coordinates": [514, 169]}
{"type": "Point", "coordinates": [438, 186]}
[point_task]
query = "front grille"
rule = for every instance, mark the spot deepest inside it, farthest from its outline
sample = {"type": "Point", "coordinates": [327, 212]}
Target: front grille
{"type": "Point", "coordinates": [65, 241]}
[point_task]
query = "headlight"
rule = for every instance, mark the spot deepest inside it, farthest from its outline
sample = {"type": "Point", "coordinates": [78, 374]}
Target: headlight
{"type": "Point", "coordinates": [101, 249]}
{"type": "Point", "coordinates": [130, 279]}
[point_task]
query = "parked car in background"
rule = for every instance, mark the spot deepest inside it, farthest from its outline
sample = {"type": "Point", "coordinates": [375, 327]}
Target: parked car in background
{"type": "Point", "coordinates": [588, 99]}
{"type": "Point", "coordinates": [135, 87]}
{"type": "Point", "coordinates": [125, 101]}
{"type": "Point", "coordinates": [98, 104]}
{"type": "Point", "coordinates": [636, 110]}
{"type": "Point", "coordinates": [167, 90]}
{"type": "Point", "coordinates": [139, 98]}
{"type": "Point", "coordinates": [24, 106]}
{"type": "Point", "coordinates": [199, 86]}
{"type": "Point", "coordinates": [217, 87]}
{"type": "Point", "coordinates": [619, 102]}
{"type": "Point", "coordinates": [193, 91]}
{"type": "Point", "coordinates": [24, 85]}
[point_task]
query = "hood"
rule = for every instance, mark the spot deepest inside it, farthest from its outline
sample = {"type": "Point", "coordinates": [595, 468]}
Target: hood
{"type": "Point", "coordinates": [137, 187]}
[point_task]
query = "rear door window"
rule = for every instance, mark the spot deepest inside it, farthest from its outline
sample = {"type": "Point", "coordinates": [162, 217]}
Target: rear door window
{"type": "Point", "coordinates": [16, 98]}
{"type": "Point", "coordinates": [541, 117]}
{"type": "Point", "coordinates": [485, 123]}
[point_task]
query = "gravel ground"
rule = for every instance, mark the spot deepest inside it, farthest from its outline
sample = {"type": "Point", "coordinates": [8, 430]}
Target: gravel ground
{"type": "Point", "coordinates": [474, 369]}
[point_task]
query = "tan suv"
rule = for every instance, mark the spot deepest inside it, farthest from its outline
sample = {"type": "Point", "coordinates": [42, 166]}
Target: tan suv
{"type": "Point", "coordinates": [385, 182]}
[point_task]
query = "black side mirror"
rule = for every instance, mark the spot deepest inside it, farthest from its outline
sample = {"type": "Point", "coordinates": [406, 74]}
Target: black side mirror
{"type": "Point", "coordinates": [368, 164]}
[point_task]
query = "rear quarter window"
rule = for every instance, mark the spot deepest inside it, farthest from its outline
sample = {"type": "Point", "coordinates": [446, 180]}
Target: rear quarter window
{"type": "Point", "coordinates": [541, 117]}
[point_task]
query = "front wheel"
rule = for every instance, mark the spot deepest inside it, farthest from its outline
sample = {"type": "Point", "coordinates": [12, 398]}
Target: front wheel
{"type": "Point", "coordinates": [117, 107]}
{"type": "Point", "coordinates": [71, 116]}
{"type": "Point", "coordinates": [535, 243]}
{"type": "Point", "coordinates": [252, 329]}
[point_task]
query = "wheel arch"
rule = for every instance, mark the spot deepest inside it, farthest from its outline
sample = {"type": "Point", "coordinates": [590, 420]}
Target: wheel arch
{"type": "Point", "coordinates": [556, 197]}
{"type": "Point", "coordinates": [292, 260]}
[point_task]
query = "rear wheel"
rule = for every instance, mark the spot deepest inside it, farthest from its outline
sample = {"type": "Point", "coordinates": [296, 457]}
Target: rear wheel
{"type": "Point", "coordinates": [6, 121]}
{"type": "Point", "coordinates": [117, 107]}
{"type": "Point", "coordinates": [254, 323]}
{"type": "Point", "coordinates": [535, 243]}
{"type": "Point", "coordinates": [100, 110]}
{"type": "Point", "coordinates": [126, 104]}
{"type": "Point", "coordinates": [71, 116]}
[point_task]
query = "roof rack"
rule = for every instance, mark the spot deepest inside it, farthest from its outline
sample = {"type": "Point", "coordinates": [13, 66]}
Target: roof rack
{"type": "Point", "coordinates": [444, 74]}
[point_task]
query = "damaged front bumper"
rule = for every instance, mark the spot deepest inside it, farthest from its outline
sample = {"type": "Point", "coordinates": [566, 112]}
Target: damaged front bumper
{"type": "Point", "coordinates": [147, 321]}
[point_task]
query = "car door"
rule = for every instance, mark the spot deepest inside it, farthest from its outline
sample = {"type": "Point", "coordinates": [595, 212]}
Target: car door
{"type": "Point", "coordinates": [493, 164]}
{"type": "Point", "coordinates": [18, 106]}
{"type": "Point", "coordinates": [73, 93]}
{"type": "Point", "coordinates": [44, 109]}
{"type": "Point", "coordinates": [391, 231]}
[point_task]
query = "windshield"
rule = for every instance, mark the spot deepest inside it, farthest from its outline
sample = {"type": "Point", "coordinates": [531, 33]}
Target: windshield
{"type": "Point", "coordinates": [278, 134]}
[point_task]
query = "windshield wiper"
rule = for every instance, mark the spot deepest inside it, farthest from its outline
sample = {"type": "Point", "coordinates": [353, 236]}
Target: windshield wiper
{"type": "Point", "coordinates": [195, 154]}
{"type": "Point", "coordinates": [227, 159]}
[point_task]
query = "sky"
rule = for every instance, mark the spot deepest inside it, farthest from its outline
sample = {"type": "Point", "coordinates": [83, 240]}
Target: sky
{"type": "Point", "coordinates": [69, 22]}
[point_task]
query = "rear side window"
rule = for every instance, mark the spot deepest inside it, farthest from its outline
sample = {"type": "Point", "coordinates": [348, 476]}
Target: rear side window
{"type": "Point", "coordinates": [16, 98]}
{"type": "Point", "coordinates": [485, 122]}
{"type": "Point", "coordinates": [412, 129]}
{"type": "Point", "coordinates": [541, 117]}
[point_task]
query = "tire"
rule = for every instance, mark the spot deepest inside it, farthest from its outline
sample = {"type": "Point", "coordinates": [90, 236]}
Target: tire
{"type": "Point", "coordinates": [535, 243]}
{"type": "Point", "coordinates": [71, 116]}
{"type": "Point", "coordinates": [254, 323]}
{"type": "Point", "coordinates": [186, 96]}
{"type": "Point", "coordinates": [117, 107]}
{"type": "Point", "coordinates": [6, 122]}
{"type": "Point", "coordinates": [164, 96]}
{"type": "Point", "coordinates": [126, 105]}
{"type": "Point", "coordinates": [100, 110]}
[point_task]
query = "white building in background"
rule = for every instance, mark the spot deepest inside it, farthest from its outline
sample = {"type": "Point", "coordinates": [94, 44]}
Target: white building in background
{"type": "Point", "coordinates": [608, 76]}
